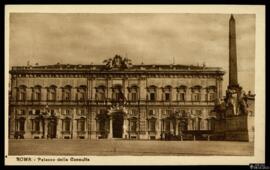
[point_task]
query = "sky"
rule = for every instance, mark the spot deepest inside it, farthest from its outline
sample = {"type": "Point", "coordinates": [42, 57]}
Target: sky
{"type": "Point", "coordinates": [153, 38]}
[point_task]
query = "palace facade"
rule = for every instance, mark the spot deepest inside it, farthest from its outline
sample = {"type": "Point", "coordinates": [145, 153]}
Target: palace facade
{"type": "Point", "coordinates": [113, 100]}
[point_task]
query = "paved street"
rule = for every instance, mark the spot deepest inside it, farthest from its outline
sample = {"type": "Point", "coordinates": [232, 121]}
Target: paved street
{"type": "Point", "coordinates": [127, 147]}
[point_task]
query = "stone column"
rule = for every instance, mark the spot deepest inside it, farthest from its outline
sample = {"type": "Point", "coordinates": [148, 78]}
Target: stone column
{"type": "Point", "coordinates": [73, 93]}
{"type": "Point", "coordinates": [59, 93]}
{"type": "Point", "coordinates": [86, 128]}
{"type": "Point", "coordinates": [188, 94]}
{"type": "Point", "coordinates": [12, 123]}
{"type": "Point", "coordinates": [147, 129]}
{"type": "Point", "coordinates": [93, 89]}
{"type": "Point", "coordinates": [45, 128]}
{"type": "Point", "coordinates": [125, 88]}
{"type": "Point", "coordinates": [109, 89]}
{"type": "Point", "coordinates": [27, 128]}
{"type": "Point", "coordinates": [74, 132]}
{"type": "Point", "coordinates": [41, 128]}
{"type": "Point", "coordinates": [93, 127]}
{"type": "Point", "coordinates": [203, 95]}
{"type": "Point", "coordinates": [219, 88]}
{"type": "Point", "coordinates": [28, 93]}
{"type": "Point", "coordinates": [142, 89]}
{"type": "Point", "coordinates": [111, 132]}
{"type": "Point", "coordinates": [171, 126]}
{"type": "Point", "coordinates": [176, 127]}
{"type": "Point", "coordinates": [159, 94]}
{"type": "Point", "coordinates": [173, 94]}
{"type": "Point", "coordinates": [158, 129]}
{"type": "Point", "coordinates": [125, 128]}
{"type": "Point", "coordinates": [59, 128]}
{"type": "Point", "coordinates": [43, 94]}
{"type": "Point", "coordinates": [89, 89]}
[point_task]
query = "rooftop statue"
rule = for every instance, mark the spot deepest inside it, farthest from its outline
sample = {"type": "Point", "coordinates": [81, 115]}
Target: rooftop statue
{"type": "Point", "coordinates": [117, 62]}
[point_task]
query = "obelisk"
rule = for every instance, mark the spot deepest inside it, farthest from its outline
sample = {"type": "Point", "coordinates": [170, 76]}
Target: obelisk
{"type": "Point", "coordinates": [233, 82]}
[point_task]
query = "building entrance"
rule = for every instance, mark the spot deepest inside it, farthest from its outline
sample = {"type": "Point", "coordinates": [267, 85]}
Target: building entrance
{"type": "Point", "coordinates": [117, 124]}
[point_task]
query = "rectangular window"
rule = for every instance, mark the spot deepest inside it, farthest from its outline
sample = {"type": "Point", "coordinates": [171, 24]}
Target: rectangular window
{"type": "Point", "coordinates": [37, 127]}
{"type": "Point", "coordinates": [117, 96]}
{"type": "Point", "coordinates": [152, 125]}
{"type": "Point", "coordinates": [67, 112]}
{"type": "Point", "coordinates": [67, 125]}
{"type": "Point", "coordinates": [133, 96]}
{"type": "Point", "coordinates": [168, 112]}
{"type": "Point", "coordinates": [182, 96]}
{"type": "Point", "coordinates": [38, 96]}
{"type": "Point", "coordinates": [167, 97]}
{"type": "Point", "coordinates": [211, 96]}
{"type": "Point", "coordinates": [82, 112]}
{"type": "Point", "coordinates": [133, 125]}
{"type": "Point", "coordinates": [199, 124]}
{"type": "Point", "coordinates": [21, 112]}
{"type": "Point", "coordinates": [101, 96]}
{"type": "Point", "coordinates": [196, 97]}
{"type": "Point", "coordinates": [21, 125]}
{"type": "Point", "coordinates": [193, 124]}
{"type": "Point", "coordinates": [81, 97]}
{"type": "Point", "coordinates": [81, 125]}
{"type": "Point", "coordinates": [37, 112]}
{"type": "Point", "coordinates": [167, 125]}
{"type": "Point", "coordinates": [152, 97]}
{"type": "Point", "coordinates": [67, 96]}
{"type": "Point", "coordinates": [53, 96]}
{"type": "Point", "coordinates": [133, 111]}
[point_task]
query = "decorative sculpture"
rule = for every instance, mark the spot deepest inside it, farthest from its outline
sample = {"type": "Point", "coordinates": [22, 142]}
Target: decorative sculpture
{"type": "Point", "coordinates": [117, 63]}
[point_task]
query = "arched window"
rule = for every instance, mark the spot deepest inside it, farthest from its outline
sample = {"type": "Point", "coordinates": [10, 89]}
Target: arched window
{"type": "Point", "coordinates": [117, 93]}
{"type": "Point", "coordinates": [167, 125]}
{"type": "Point", "coordinates": [66, 124]}
{"type": "Point", "coordinates": [133, 91]}
{"type": "Point", "coordinates": [36, 125]}
{"type": "Point", "coordinates": [52, 93]}
{"type": "Point", "coordinates": [181, 93]}
{"type": "Point", "coordinates": [211, 124]}
{"type": "Point", "coordinates": [100, 93]}
{"type": "Point", "coordinates": [81, 124]}
{"type": "Point", "coordinates": [167, 93]}
{"type": "Point", "coordinates": [67, 93]}
{"type": "Point", "coordinates": [36, 93]}
{"type": "Point", "coordinates": [21, 93]}
{"type": "Point", "coordinates": [152, 90]}
{"type": "Point", "coordinates": [152, 124]}
{"type": "Point", "coordinates": [210, 93]}
{"type": "Point", "coordinates": [19, 124]}
{"type": "Point", "coordinates": [196, 93]}
{"type": "Point", "coordinates": [81, 93]}
{"type": "Point", "coordinates": [133, 124]}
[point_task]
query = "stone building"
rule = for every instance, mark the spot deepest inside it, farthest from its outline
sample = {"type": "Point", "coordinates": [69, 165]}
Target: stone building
{"type": "Point", "coordinates": [112, 100]}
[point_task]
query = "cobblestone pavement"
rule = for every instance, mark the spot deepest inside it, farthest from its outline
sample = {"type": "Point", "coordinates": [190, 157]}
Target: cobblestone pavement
{"type": "Point", "coordinates": [127, 147]}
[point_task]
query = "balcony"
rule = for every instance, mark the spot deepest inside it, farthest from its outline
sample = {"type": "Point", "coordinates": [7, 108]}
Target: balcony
{"type": "Point", "coordinates": [110, 102]}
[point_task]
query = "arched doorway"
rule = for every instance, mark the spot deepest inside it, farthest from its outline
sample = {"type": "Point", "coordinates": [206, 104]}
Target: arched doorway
{"type": "Point", "coordinates": [52, 126]}
{"type": "Point", "coordinates": [117, 124]}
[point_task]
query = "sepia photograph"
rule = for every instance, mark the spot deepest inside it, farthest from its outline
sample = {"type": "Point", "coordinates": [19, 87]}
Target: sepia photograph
{"type": "Point", "coordinates": [135, 82]}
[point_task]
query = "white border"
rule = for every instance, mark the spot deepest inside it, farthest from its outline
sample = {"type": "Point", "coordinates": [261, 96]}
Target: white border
{"type": "Point", "coordinates": [259, 10]}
